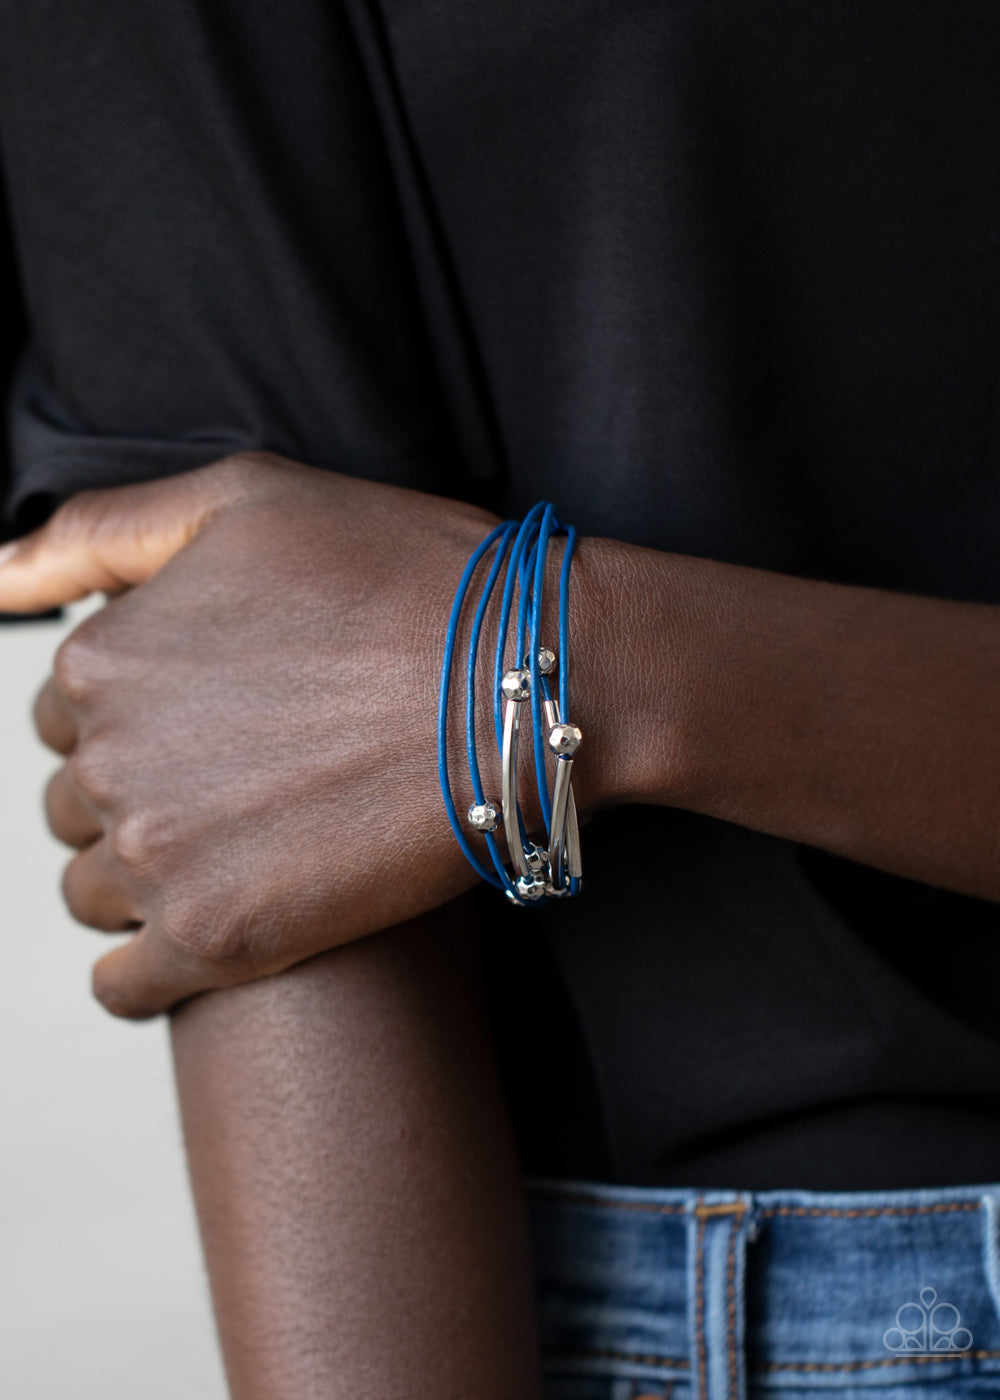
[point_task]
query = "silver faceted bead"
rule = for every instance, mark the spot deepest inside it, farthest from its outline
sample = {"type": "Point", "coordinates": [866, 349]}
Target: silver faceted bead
{"type": "Point", "coordinates": [530, 888]}
{"type": "Point", "coordinates": [546, 660]}
{"type": "Point", "coordinates": [516, 685]}
{"type": "Point", "coordinates": [483, 816]}
{"type": "Point", "coordinates": [538, 861]}
{"type": "Point", "coordinates": [565, 739]}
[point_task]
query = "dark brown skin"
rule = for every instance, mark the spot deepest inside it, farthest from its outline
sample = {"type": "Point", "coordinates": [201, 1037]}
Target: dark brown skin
{"type": "Point", "coordinates": [854, 719]}
{"type": "Point", "coordinates": [253, 833]}
{"type": "Point", "coordinates": [359, 1201]}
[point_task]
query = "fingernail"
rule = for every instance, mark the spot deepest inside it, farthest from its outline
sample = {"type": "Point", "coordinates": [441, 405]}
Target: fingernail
{"type": "Point", "coordinates": [7, 552]}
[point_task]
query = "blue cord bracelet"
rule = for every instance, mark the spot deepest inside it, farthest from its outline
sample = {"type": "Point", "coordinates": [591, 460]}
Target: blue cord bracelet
{"type": "Point", "coordinates": [538, 873]}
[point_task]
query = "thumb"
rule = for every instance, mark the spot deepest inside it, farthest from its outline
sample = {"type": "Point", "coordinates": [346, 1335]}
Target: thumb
{"type": "Point", "coordinates": [144, 977]}
{"type": "Point", "coordinates": [103, 541]}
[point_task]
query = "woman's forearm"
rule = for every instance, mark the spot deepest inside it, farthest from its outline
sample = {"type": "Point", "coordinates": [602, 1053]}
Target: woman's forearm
{"type": "Point", "coordinates": [356, 1186]}
{"type": "Point", "coordinates": [862, 721]}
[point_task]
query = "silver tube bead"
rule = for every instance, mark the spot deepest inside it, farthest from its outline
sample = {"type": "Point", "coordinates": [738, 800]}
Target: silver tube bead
{"type": "Point", "coordinates": [508, 787]}
{"type": "Point", "coordinates": [557, 831]}
{"type": "Point", "coordinates": [573, 862]}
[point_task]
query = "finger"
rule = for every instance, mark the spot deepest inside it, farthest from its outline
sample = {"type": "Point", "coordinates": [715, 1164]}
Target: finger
{"type": "Point", "coordinates": [54, 719]}
{"type": "Point", "coordinates": [104, 541]}
{"type": "Point", "coordinates": [71, 818]}
{"type": "Point", "coordinates": [146, 976]}
{"type": "Point", "coordinates": [98, 892]}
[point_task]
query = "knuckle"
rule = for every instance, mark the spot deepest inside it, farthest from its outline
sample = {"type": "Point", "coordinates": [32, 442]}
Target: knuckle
{"type": "Point", "coordinates": [91, 767]}
{"type": "Point", "coordinates": [137, 840]}
{"type": "Point", "coordinates": [77, 664]}
{"type": "Point", "coordinates": [191, 931]}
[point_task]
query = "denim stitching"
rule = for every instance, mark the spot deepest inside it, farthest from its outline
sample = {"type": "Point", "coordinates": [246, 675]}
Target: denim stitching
{"type": "Point", "coordinates": [682, 1364]}
{"type": "Point", "coordinates": [699, 1308]}
{"type": "Point", "coordinates": [868, 1365]}
{"type": "Point", "coordinates": [854, 1214]}
{"type": "Point", "coordinates": [731, 1304]}
{"type": "Point", "coordinates": [868, 1211]}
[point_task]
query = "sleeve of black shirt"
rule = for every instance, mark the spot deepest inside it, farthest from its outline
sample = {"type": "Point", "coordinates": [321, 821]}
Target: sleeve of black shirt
{"type": "Point", "coordinates": [212, 252]}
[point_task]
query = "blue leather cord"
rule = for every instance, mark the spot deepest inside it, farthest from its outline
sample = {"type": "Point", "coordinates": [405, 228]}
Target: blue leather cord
{"type": "Point", "coordinates": [524, 536]}
{"type": "Point", "coordinates": [548, 524]}
{"type": "Point", "coordinates": [442, 724]}
{"type": "Point", "coordinates": [470, 691]}
{"type": "Point", "coordinates": [564, 621]}
{"type": "Point", "coordinates": [520, 571]}
{"type": "Point", "coordinates": [524, 547]}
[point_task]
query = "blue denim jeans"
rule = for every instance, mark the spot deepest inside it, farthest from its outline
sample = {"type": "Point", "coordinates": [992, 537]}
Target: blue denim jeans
{"type": "Point", "coordinates": [725, 1295]}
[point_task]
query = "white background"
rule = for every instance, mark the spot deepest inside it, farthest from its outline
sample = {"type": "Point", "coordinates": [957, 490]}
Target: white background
{"type": "Point", "coordinates": [102, 1290]}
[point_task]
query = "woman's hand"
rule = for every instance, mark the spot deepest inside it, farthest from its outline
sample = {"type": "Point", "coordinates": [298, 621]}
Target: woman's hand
{"type": "Point", "coordinates": [250, 770]}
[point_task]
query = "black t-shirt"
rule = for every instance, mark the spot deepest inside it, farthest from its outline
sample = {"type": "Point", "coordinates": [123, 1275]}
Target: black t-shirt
{"type": "Point", "coordinates": [718, 279]}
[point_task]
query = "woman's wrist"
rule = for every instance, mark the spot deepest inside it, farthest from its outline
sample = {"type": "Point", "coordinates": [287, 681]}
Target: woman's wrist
{"type": "Point", "coordinates": [636, 659]}
{"type": "Point", "coordinates": [634, 680]}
